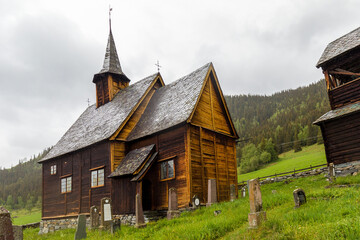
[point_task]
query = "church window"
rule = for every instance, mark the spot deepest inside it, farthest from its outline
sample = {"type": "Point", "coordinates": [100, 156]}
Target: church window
{"type": "Point", "coordinates": [167, 170]}
{"type": "Point", "coordinates": [66, 184]}
{"type": "Point", "coordinates": [97, 178]}
{"type": "Point", "coordinates": [53, 169]}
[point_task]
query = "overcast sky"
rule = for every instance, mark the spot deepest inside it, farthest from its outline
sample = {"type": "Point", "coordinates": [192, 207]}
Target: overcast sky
{"type": "Point", "coordinates": [51, 49]}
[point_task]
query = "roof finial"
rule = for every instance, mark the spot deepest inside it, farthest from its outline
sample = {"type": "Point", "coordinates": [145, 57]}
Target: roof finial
{"type": "Point", "coordinates": [158, 65]}
{"type": "Point", "coordinates": [110, 9]}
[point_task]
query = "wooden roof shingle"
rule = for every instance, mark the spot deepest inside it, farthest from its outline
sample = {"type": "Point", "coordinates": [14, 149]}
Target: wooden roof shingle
{"type": "Point", "coordinates": [133, 161]}
{"type": "Point", "coordinates": [97, 124]}
{"type": "Point", "coordinates": [340, 46]}
{"type": "Point", "coordinates": [339, 113]}
{"type": "Point", "coordinates": [171, 104]}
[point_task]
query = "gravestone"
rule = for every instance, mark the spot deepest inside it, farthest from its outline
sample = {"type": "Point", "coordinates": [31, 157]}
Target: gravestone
{"type": "Point", "coordinates": [299, 197]}
{"type": "Point", "coordinates": [115, 225]}
{"type": "Point", "coordinates": [94, 217]}
{"type": "Point", "coordinates": [196, 201]}
{"type": "Point", "coordinates": [81, 227]}
{"type": "Point", "coordinates": [256, 215]}
{"type": "Point", "coordinates": [232, 192]}
{"type": "Point", "coordinates": [173, 210]}
{"type": "Point", "coordinates": [6, 229]}
{"type": "Point", "coordinates": [212, 193]}
{"type": "Point", "coordinates": [331, 169]}
{"type": "Point", "coordinates": [243, 192]}
{"type": "Point", "coordinates": [18, 232]}
{"type": "Point", "coordinates": [140, 220]}
{"type": "Point", "coordinates": [106, 215]}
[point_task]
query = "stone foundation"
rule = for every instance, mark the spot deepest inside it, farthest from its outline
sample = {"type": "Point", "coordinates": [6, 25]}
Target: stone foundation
{"type": "Point", "coordinates": [53, 225]}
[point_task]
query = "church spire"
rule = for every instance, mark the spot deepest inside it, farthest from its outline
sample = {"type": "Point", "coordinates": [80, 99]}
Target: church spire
{"type": "Point", "coordinates": [111, 79]}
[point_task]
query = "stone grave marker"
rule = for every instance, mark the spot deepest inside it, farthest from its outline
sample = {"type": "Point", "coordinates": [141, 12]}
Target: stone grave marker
{"type": "Point", "coordinates": [173, 210]}
{"type": "Point", "coordinates": [212, 193]}
{"type": "Point", "coordinates": [115, 225]}
{"type": "Point", "coordinates": [106, 215]}
{"type": "Point", "coordinates": [243, 192]}
{"type": "Point", "coordinates": [195, 201]}
{"type": "Point", "coordinates": [331, 169]}
{"type": "Point", "coordinates": [140, 220]}
{"type": "Point", "coordinates": [299, 197]}
{"type": "Point", "coordinates": [18, 232]}
{"type": "Point", "coordinates": [256, 215]}
{"type": "Point", "coordinates": [81, 227]}
{"type": "Point", "coordinates": [94, 217]}
{"type": "Point", "coordinates": [6, 228]}
{"type": "Point", "coordinates": [232, 192]}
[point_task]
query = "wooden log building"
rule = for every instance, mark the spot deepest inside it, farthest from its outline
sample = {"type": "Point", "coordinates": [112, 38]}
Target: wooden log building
{"type": "Point", "coordinates": [340, 127]}
{"type": "Point", "coordinates": [142, 138]}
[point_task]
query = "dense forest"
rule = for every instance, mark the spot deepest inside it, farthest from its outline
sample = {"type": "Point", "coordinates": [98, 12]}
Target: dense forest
{"type": "Point", "coordinates": [267, 125]}
{"type": "Point", "coordinates": [284, 118]}
{"type": "Point", "coordinates": [20, 186]}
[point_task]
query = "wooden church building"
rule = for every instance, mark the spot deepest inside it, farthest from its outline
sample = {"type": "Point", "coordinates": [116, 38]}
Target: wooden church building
{"type": "Point", "coordinates": [340, 127]}
{"type": "Point", "coordinates": [145, 138]}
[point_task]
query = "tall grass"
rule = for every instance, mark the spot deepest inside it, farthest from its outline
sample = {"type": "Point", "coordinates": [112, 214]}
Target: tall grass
{"type": "Point", "coordinates": [330, 213]}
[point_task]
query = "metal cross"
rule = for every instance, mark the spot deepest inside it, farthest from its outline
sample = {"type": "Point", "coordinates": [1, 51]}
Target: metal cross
{"type": "Point", "coordinates": [158, 65]}
{"type": "Point", "coordinates": [88, 101]}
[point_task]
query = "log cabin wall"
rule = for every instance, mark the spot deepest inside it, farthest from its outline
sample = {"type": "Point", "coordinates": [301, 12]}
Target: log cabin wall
{"type": "Point", "coordinates": [341, 139]}
{"type": "Point", "coordinates": [344, 94]}
{"type": "Point", "coordinates": [76, 165]}
{"type": "Point", "coordinates": [169, 144]}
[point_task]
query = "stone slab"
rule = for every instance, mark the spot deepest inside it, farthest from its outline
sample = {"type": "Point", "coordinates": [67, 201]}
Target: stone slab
{"type": "Point", "coordinates": [256, 219]}
{"type": "Point", "coordinates": [81, 227]}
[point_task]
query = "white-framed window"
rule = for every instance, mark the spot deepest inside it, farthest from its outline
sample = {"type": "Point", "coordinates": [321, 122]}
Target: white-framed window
{"type": "Point", "coordinates": [66, 184]}
{"type": "Point", "coordinates": [97, 177]}
{"type": "Point", "coordinates": [53, 169]}
{"type": "Point", "coordinates": [167, 169]}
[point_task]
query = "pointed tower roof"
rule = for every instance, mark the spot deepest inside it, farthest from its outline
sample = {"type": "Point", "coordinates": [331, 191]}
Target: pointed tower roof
{"type": "Point", "coordinates": [111, 61]}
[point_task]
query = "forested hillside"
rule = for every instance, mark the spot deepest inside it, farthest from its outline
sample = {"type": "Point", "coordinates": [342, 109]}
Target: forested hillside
{"type": "Point", "coordinates": [20, 186]}
{"type": "Point", "coordinates": [285, 117]}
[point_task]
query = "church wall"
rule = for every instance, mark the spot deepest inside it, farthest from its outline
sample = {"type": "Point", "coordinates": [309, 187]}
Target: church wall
{"type": "Point", "coordinates": [76, 165]}
{"type": "Point", "coordinates": [170, 144]}
{"type": "Point", "coordinates": [341, 139]}
{"type": "Point", "coordinates": [212, 157]}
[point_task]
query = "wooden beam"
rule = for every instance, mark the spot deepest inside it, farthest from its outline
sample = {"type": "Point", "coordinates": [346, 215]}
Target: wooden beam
{"type": "Point", "coordinates": [188, 157]}
{"type": "Point", "coordinates": [327, 79]}
{"type": "Point", "coordinates": [202, 166]}
{"type": "Point", "coordinates": [211, 103]}
{"type": "Point", "coordinates": [216, 169]}
{"type": "Point", "coordinates": [344, 72]}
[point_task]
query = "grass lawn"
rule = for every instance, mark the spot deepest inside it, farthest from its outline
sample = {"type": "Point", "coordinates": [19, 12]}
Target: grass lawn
{"type": "Point", "coordinates": [311, 155]}
{"type": "Point", "coordinates": [330, 213]}
{"type": "Point", "coordinates": [22, 216]}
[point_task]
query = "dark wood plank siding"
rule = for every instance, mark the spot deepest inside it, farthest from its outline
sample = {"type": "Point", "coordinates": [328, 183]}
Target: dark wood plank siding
{"type": "Point", "coordinates": [77, 165]}
{"type": "Point", "coordinates": [341, 138]}
{"type": "Point", "coordinates": [170, 143]}
{"type": "Point", "coordinates": [123, 195]}
{"type": "Point", "coordinates": [345, 94]}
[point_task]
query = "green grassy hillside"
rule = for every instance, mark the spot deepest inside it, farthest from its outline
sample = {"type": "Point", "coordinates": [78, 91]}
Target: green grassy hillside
{"type": "Point", "coordinates": [331, 212]}
{"type": "Point", "coordinates": [312, 155]}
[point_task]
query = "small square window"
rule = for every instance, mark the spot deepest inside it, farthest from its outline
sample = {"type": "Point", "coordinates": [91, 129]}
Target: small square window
{"type": "Point", "coordinates": [97, 177]}
{"type": "Point", "coordinates": [53, 170]}
{"type": "Point", "coordinates": [167, 169]}
{"type": "Point", "coordinates": [66, 184]}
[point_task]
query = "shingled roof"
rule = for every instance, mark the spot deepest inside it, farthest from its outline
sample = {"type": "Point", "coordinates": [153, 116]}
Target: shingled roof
{"type": "Point", "coordinates": [171, 105]}
{"type": "Point", "coordinates": [340, 46]}
{"type": "Point", "coordinates": [97, 124]}
{"type": "Point", "coordinates": [132, 161]}
{"type": "Point", "coordinates": [339, 112]}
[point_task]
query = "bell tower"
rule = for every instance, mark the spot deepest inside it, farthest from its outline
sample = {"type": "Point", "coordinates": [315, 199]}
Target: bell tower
{"type": "Point", "coordinates": [111, 79]}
